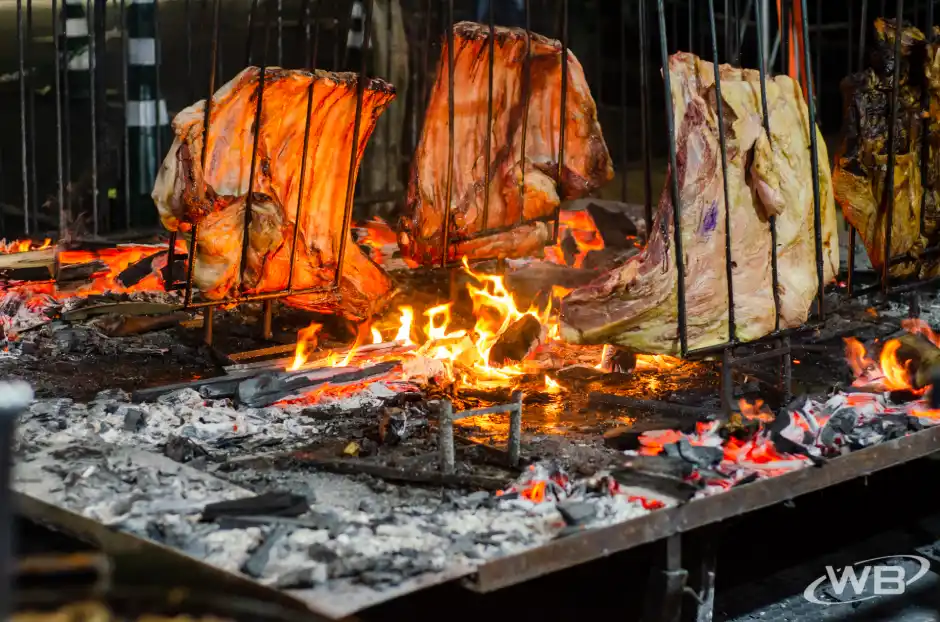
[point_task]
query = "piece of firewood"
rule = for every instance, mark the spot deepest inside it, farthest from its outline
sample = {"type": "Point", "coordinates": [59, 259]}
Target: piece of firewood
{"type": "Point", "coordinates": [921, 357]}
{"type": "Point", "coordinates": [517, 341]}
{"type": "Point", "coordinates": [266, 389]}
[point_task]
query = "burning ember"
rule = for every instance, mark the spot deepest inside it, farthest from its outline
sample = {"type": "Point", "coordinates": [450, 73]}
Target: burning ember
{"type": "Point", "coordinates": [895, 367]}
{"type": "Point", "coordinates": [22, 246]}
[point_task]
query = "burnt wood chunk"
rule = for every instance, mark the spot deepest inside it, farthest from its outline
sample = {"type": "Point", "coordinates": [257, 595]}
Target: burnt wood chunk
{"type": "Point", "coordinates": [614, 226]}
{"type": "Point", "coordinates": [518, 340]}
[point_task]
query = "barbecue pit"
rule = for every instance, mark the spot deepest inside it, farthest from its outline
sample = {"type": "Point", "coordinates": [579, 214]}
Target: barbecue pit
{"type": "Point", "coordinates": [455, 435]}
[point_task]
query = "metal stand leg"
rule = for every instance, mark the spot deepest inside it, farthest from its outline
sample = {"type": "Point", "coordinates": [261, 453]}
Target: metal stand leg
{"type": "Point", "coordinates": [702, 589]}
{"type": "Point", "coordinates": [207, 319]}
{"type": "Point", "coordinates": [913, 310]}
{"type": "Point", "coordinates": [727, 381]}
{"type": "Point", "coordinates": [667, 585]}
{"type": "Point", "coordinates": [266, 330]}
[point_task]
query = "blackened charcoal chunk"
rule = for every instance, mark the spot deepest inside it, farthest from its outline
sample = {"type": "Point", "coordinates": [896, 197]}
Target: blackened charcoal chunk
{"type": "Point", "coordinates": [577, 512]}
{"type": "Point", "coordinates": [182, 449]}
{"type": "Point", "coordinates": [322, 553]}
{"type": "Point", "coordinates": [135, 419]}
{"type": "Point", "coordinates": [844, 421]}
{"type": "Point", "coordinates": [696, 455]}
{"type": "Point", "coordinates": [393, 428]}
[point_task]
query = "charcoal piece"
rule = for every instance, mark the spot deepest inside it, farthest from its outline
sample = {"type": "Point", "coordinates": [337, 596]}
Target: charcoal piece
{"type": "Point", "coordinates": [843, 421]}
{"type": "Point", "coordinates": [516, 342]}
{"type": "Point", "coordinates": [695, 454]}
{"type": "Point", "coordinates": [136, 272]}
{"type": "Point", "coordinates": [321, 553]}
{"type": "Point", "coordinates": [301, 578]}
{"type": "Point", "coordinates": [569, 248]}
{"type": "Point", "coordinates": [607, 259]}
{"type": "Point", "coordinates": [577, 512]}
{"type": "Point", "coordinates": [661, 485]}
{"type": "Point", "coordinates": [393, 428]}
{"type": "Point", "coordinates": [615, 227]}
{"type": "Point", "coordinates": [753, 477]}
{"type": "Point", "coordinates": [627, 437]}
{"type": "Point", "coordinates": [665, 465]}
{"type": "Point", "coordinates": [283, 504]}
{"type": "Point", "coordinates": [181, 449]}
{"type": "Point", "coordinates": [135, 420]}
{"type": "Point", "coordinates": [934, 395]}
{"type": "Point", "coordinates": [219, 390]}
{"type": "Point", "coordinates": [255, 564]}
{"type": "Point", "coordinates": [787, 446]}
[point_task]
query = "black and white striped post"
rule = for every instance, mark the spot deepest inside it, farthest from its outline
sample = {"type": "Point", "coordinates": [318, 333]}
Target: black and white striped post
{"type": "Point", "coordinates": [146, 114]}
{"type": "Point", "coordinates": [77, 48]}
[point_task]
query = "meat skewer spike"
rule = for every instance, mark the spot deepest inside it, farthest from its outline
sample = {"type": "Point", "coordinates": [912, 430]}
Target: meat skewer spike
{"type": "Point", "coordinates": [563, 115]}
{"type": "Point", "coordinates": [449, 192]}
{"type": "Point", "coordinates": [526, 95]}
{"type": "Point", "coordinates": [249, 39]}
{"type": "Point", "coordinates": [679, 258]}
{"type": "Point", "coordinates": [814, 158]}
{"type": "Point", "coordinates": [354, 152]}
{"type": "Point", "coordinates": [644, 122]}
{"type": "Point", "coordinates": [765, 114]}
{"type": "Point", "coordinates": [489, 117]}
{"type": "Point", "coordinates": [887, 196]}
{"type": "Point", "coordinates": [723, 146]}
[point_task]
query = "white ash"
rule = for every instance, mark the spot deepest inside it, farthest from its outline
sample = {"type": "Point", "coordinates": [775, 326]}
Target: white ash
{"type": "Point", "coordinates": [929, 309]}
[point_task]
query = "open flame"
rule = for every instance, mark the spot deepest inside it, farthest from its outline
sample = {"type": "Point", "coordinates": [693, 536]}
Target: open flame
{"type": "Point", "coordinates": [306, 343]}
{"type": "Point", "coordinates": [22, 246]}
{"type": "Point", "coordinates": [580, 226]}
{"type": "Point", "coordinates": [889, 372]}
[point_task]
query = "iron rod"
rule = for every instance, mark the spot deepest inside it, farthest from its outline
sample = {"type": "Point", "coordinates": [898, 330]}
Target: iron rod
{"type": "Point", "coordinates": [57, 81]}
{"type": "Point", "coordinates": [67, 126]}
{"type": "Point", "coordinates": [925, 126]}
{"type": "Point", "coordinates": [887, 197]}
{"type": "Point", "coordinates": [303, 175]}
{"type": "Point", "coordinates": [316, 34]}
{"type": "Point", "coordinates": [814, 157]}
{"type": "Point", "coordinates": [256, 136]}
{"type": "Point", "coordinates": [280, 33]}
{"type": "Point", "coordinates": [449, 191]}
{"type": "Point", "coordinates": [251, 32]}
{"type": "Point", "coordinates": [491, 60]}
{"type": "Point", "coordinates": [723, 146]}
{"type": "Point", "coordinates": [354, 147]}
{"type": "Point", "coordinates": [157, 88]}
{"type": "Point", "coordinates": [267, 318]}
{"type": "Point", "coordinates": [21, 54]}
{"type": "Point", "coordinates": [761, 19]}
{"type": "Point", "coordinates": [305, 20]}
{"type": "Point", "coordinates": [526, 96]}
{"type": "Point", "coordinates": [645, 121]}
{"type": "Point", "coordinates": [208, 319]}
{"type": "Point", "coordinates": [624, 112]}
{"type": "Point", "coordinates": [818, 73]}
{"type": "Point", "coordinates": [853, 237]}
{"type": "Point", "coordinates": [125, 96]}
{"type": "Point", "coordinates": [674, 181]}
{"type": "Point", "coordinates": [189, 51]}
{"type": "Point", "coordinates": [563, 117]}
{"type": "Point", "coordinates": [93, 96]}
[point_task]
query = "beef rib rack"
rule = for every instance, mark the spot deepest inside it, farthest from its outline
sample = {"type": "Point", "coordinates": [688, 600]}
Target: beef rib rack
{"type": "Point", "coordinates": [216, 198]}
{"type": "Point", "coordinates": [634, 305]}
{"type": "Point", "coordinates": [587, 163]}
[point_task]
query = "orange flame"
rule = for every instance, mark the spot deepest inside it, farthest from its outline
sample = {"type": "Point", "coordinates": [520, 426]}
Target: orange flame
{"type": "Point", "coordinates": [306, 338]}
{"type": "Point", "coordinates": [22, 246]}
{"type": "Point", "coordinates": [582, 229]}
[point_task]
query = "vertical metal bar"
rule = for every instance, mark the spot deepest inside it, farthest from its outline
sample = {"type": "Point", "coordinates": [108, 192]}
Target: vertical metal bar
{"type": "Point", "coordinates": [300, 189]}
{"type": "Point", "coordinates": [251, 32]}
{"type": "Point", "coordinates": [563, 117]}
{"type": "Point", "coordinates": [208, 319]}
{"type": "Point", "coordinates": [526, 96]}
{"type": "Point", "coordinates": [674, 182]}
{"type": "Point", "coordinates": [93, 96]}
{"type": "Point", "coordinates": [924, 142]}
{"type": "Point", "coordinates": [354, 148]}
{"type": "Point", "coordinates": [60, 186]}
{"type": "Point", "coordinates": [819, 47]}
{"type": "Point", "coordinates": [853, 234]}
{"type": "Point", "coordinates": [690, 24]}
{"type": "Point", "coordinates": [645, 120]}
{"type": "Point", "coordinates": [785, 19]}
{"type": "Point", "coordinates": [723, 146]}
{"type": "Point", "coordinates": [515, 428]}
{"type": "Point", "coordinates": [814, 157]}
{"type": "Point", "coordinates": [189, 51]}
{"type": "Point", "coordinates": [449, 192]}
{"type": "Point", "coordinates": [305, 22]}
{"type": "Point", "coordinates": [31, 109]}
{"type": "Point", "coordinates": [316, 34]}
{"type": "Point", "coordinates": [125, 90]}
{"type": "Point", "coordinates": [21, 53]}
{"type": "Point", "coordinates": [887, 196]}
{"type": "Point", "coordinates": [489, 116]}
{"type": "Point", "coordinates": [246, 230]}
{"type": "Point", "coordinates": [67, 122]}
{"type": "Point", "coordinates": [624, 112]}
{"type": "Point", "coordinates": [206, 122]}
{"type": "Point", "coordinates": [395, 155]}
{"type": "Point", "coordinates": [267, 319]}
{"type": "Point", "coordinates": [280, 33]}
{"type": "Point", "coordinates": [761, 19]}
{"type": "Point", "coordinates": [158, 93]}
{"type": "Point", "coordinates": [445, 445]}
{"type": "Point", "coordinates": [726, 22]}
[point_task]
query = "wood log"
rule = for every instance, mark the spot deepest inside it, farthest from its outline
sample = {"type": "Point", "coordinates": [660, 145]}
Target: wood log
{"type": "Point", "coordinates": [517, 341]}
{"type": "Point", "coordinates": [266, 389]}
{"type": "Point", "coordinates": [81, 271]}
{"type": "Point", "coordinates": [124, 325]}
{"type": "Point", "coordinates": [28, 266]}
{"type": "Point", "coordinates": [538, 277]}
{"type": "Point", "coordinates": [921, 357]}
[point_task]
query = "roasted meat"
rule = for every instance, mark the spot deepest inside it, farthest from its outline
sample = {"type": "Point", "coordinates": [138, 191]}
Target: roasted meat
{"type": "Point", "coordinates": [216, 199]}
{"type": "Point", "coordinates": [587, 163]}
{"type": "Point", "coordinates": [635, 305]}
{"type": "Point", "coordinates": [861, 164]}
